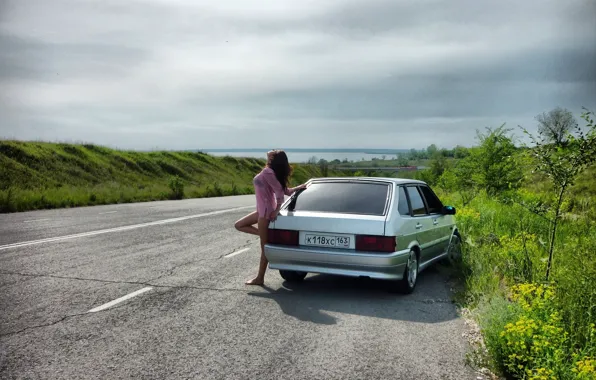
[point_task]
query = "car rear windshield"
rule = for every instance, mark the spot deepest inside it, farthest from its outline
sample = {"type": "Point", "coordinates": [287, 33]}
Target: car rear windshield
{"type": "Point", "coordinates": [364, 198]}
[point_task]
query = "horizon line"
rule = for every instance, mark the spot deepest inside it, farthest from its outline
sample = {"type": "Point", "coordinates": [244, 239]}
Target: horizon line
{"type": "Point", "coordinates": [307, 149]}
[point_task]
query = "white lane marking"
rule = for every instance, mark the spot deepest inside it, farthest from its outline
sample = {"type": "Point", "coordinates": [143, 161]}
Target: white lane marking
{"type": "Point", "coordinates": [118, 229]}
{"type": "Point", "coordinates": [237, 252]}
{"type": "Point", "coordinates": [108, 212]}
{"type": "Point", "coordinates": [35, 220]}
{"type": "Point", "coordinates": [121, 299]}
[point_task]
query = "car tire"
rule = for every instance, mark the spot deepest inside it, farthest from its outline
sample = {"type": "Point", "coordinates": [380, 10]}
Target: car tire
{"type": "Point", "coordinates": [292, 276]}
{"type": "Point", "coordinates": [410, 277]}
{"type": "Point", "coordinates": [454, 249]}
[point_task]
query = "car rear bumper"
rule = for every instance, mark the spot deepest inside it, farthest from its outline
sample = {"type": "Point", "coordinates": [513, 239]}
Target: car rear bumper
{"type": "Point", "coordinates": [389, 266]}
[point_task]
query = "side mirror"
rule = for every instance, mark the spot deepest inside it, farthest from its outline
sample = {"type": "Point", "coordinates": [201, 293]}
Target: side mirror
{"type": "Point", "coordinates": [449, 210]}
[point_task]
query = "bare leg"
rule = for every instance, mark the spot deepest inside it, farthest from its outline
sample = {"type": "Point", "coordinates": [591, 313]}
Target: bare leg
{"type": "Point", "coordinates": [263, 229]}
{"type": "Point", "coordinates": [246, 224]}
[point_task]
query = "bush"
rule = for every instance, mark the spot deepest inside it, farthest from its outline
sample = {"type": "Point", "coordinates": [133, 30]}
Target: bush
{"type": "Point", "coordinates": [217, 190]}
{"type": "Point", "coordinates": [547, 329]}
{"type": "Point", "coordinates": [492, 167]}
{"type": "Point", "coordinates": [7, 204]}
{"type": "Point", "coordinates": [177, 188]}
{"type": "Point", "coordinates": [438, 166]}
{"type": "Point", "coordinates": [529, 338]}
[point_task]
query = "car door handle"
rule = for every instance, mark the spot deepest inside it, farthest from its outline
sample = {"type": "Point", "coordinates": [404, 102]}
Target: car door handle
{"type": "Point", "coordinates": [435, 222]}
{"type": "Point", "coordinates": [418, 226]}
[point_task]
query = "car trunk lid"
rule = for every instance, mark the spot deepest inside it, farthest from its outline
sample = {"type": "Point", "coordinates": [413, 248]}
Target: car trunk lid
{"type": "Point", "coordinates": [338, 231]}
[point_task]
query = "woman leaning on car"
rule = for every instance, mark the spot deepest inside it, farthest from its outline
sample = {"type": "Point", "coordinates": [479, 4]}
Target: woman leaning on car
{"type": "Point", "coordinates": [271, 184]}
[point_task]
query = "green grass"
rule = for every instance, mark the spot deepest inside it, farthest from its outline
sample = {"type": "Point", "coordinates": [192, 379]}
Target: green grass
{"type": "Point", "coordinates": [38, 175]}
{"type": "Point", "coordinates": [533, 329]}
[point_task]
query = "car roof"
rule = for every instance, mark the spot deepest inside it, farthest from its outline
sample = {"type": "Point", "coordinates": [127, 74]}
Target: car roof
{"type": "Point", "coordinates": [397, 181]}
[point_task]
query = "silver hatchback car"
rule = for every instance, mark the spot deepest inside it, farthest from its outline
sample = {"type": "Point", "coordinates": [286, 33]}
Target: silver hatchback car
{"type": "Point", "coordinates": [382, 228]}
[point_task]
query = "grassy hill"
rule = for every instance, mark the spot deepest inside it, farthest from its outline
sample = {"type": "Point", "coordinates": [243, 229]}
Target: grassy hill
{"type": "Point", "coordinates": [37, 175]}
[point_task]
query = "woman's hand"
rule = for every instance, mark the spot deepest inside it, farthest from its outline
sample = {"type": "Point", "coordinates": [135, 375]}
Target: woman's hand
{"type": "Point", "coordinates": [273, 215]}
{"type": "Point", "coordinates": [303, 186]}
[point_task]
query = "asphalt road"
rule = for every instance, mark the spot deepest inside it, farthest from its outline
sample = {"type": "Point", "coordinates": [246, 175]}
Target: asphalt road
{"type": "Point", "coordinates": [192, 316]}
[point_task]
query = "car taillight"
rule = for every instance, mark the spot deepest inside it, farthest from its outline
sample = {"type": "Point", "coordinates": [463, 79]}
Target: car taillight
{"type": "Point", "coordinates": [375, 243]}
{"type": "Point", "coordinates": [282, 237]}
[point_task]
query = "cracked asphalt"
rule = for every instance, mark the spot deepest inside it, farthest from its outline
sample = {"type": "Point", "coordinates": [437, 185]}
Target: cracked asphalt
{"type": "Point", "coordinates": [199, 320]}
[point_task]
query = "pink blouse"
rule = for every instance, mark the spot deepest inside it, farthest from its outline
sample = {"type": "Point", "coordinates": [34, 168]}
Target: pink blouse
{"type": "Point", "coordinates": [269, 192]}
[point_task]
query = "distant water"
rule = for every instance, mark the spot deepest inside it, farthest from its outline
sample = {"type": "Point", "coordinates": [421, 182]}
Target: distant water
{"type": "Point", "coordinates": [301, 155]}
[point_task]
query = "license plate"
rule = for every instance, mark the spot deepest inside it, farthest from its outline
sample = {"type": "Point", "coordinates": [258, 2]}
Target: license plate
{"type": "Point", "coordinates": [327, 241]}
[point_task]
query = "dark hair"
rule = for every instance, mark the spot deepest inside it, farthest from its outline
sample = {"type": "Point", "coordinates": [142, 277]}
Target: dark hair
{"type": "Point", "coordinates": [278, 162]}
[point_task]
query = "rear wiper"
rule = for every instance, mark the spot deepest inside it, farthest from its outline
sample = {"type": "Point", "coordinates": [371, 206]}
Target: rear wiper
{"type": "Point", "coordinates": [293, 199]}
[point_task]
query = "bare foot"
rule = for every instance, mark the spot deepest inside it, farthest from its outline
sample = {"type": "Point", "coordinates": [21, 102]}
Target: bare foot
{"type": "Point", "coordinates": [255, 281]}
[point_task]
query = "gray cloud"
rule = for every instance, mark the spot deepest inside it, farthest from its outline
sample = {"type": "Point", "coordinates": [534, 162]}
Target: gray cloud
{"type": "Point", "coordinates": [30, 59]}
{"type": "Point", "coordinates": [346, 73]}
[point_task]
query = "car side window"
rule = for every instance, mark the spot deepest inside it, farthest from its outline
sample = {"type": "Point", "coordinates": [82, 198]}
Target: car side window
{"type": "Point", "coordinates": [434, 204]}
{"type": "Point", "coordinates": [418, 207]}
{"type": "Point", "coordinates": [403, 206]}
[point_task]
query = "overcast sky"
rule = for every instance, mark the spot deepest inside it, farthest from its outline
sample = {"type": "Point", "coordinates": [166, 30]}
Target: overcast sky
{"type": "Point", "coordinates": [185, 74]}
